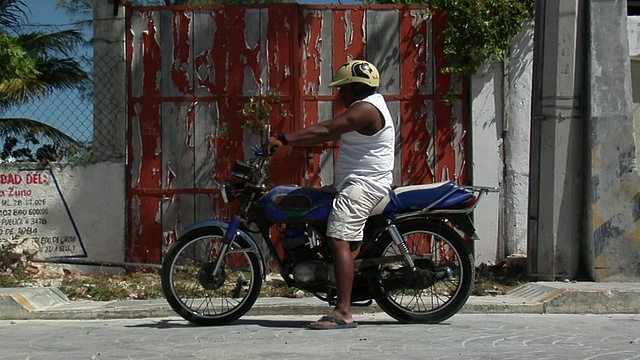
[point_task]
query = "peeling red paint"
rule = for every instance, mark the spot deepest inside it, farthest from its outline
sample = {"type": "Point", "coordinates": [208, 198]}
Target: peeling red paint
{"type": "Point", "coordinates": [151, 60]}
{"type": "Point", "coordinates": [181, 52]}
{"type": "Point", "coordinates": [171, 176]}
{"type": "Point", "coordinates": [241, 56]}
{"type": "Point", "coordinates": [415, 115]}
{"type": "Point", "coordinates": [204, 60]}
{"type": "Point", "coordinates": [312, 50]}
{"type": "Point", "coordinates": [279, 49]}
{"type": "Point", "coordinates": [246, 57]}
{"type": "Point", "coordinates": [191, 118]}
{"type": "Point", "coordinates": [348, 36]}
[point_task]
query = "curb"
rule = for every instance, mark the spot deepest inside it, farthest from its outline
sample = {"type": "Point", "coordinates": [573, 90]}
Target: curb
{"type": "Point", "coordinates": [530, 298]}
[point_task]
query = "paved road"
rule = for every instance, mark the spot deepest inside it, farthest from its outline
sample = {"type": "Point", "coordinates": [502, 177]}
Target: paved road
{"type": "Point", "coordinates": [283, 337]}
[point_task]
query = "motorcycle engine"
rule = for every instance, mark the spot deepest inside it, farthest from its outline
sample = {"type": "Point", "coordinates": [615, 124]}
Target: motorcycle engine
{"type": "Point", "coordinates": [310, 272]}
{"type": "Point", "coordinates": [303, 251]}
{"type": "Point", "coordinates": [301, 243]}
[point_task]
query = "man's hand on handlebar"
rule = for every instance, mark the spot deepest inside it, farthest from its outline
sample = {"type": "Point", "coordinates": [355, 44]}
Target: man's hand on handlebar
{"type": "Point", "coordinates": [270, 147]}
{"type": "Point", "coordinates": [274, 143]}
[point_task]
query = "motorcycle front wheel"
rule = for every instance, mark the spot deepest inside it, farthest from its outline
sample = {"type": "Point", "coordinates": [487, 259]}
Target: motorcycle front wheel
{"type": "Point", "coordinates": [445, 274]}
{"type": "Point", "coordinates": [202, 296]}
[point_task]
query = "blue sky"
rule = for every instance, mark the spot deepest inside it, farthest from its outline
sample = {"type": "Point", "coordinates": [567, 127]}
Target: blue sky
{"type": "Point", "coordinates": [45, 12]}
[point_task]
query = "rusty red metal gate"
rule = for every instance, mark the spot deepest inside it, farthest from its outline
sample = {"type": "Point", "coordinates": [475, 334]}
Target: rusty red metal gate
{"type": "Point", "coordinates": [191, 69]}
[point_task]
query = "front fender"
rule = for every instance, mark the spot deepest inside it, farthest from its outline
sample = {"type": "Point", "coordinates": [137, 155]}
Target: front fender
{"type": "Point", "coordinates": [223, 225]}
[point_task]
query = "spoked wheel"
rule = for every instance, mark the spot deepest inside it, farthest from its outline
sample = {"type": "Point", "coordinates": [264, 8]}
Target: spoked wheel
{"type": "Point", "coordinates": [440, 285]}
{"type": "Point", "coordinates": [199, 294]}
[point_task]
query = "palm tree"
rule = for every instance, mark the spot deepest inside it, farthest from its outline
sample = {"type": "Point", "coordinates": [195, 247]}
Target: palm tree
{"type": "Point", "coordinates": [34, 64]}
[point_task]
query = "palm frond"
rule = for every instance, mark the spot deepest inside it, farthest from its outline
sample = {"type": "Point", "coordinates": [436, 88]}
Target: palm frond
{"type": "Point", "coordinates": [54, 74]}
{"type": "Point", "coordinates": [17, 91]}
{"type": "Point", "coordinates": [41, 44]}
{"type": "Point", "coordinates": [22, 127]}
{"type": "Point", "coordinates": [62, 73]}
{"type": "Point", "coordinates": [11, 11]}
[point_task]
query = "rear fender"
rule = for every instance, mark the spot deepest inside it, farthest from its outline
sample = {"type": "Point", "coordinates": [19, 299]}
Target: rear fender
{"type": "Point", "coordinates": [223, 225]}
{"type": "Point", "coordinates": [461, 222]}
{"type": "Point", "coordinates": [464, 223]}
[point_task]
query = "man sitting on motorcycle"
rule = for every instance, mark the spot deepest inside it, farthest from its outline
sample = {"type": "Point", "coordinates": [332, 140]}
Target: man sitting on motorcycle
{"type": "Point", "coordinates": [363, 172]}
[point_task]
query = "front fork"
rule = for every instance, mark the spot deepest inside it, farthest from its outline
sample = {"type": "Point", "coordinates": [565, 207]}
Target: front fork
{"type": "Point", "coordinates": [227, 239]}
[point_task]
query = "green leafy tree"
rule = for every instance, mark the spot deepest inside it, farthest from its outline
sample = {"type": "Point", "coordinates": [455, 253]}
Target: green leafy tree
{"type": "Point", "coordinates": [477, 30]}
{"type": "Point", "coordinates": [33, 64]}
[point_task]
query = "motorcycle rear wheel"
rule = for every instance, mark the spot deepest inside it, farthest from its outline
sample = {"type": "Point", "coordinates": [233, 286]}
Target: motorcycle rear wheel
{"type": "Point", "coordinates": [446, 296]}
{"type": "Point", "coordinates": [198, 295]}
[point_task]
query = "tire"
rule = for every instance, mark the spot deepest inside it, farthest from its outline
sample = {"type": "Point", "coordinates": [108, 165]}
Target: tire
{"type": "Point", "coordinates": [200, 297]}
{"type": "Point", "coordinates": [438, 301]}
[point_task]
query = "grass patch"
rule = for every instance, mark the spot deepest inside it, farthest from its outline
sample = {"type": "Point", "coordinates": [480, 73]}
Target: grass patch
{"type": "Point", "coordinates": [106, 287]}
{"type": "Point", "coordinates": [146, 285]}
{"type": "Point", "coordinates": [14, 276]}
{"type": "Point", "coordinates": [498, 279]}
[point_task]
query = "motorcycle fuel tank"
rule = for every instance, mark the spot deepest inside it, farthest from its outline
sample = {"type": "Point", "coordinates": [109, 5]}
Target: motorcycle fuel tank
{"type": "Point", "coordinates": [291, 204]}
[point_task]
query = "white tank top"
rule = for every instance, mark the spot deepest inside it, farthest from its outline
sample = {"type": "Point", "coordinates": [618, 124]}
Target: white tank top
{"type": "Point", "coordinates": [368, 160]}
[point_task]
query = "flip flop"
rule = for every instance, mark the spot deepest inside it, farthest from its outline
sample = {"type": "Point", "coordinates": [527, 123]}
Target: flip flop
{"type": "Point", "coordinates": [339, 324]}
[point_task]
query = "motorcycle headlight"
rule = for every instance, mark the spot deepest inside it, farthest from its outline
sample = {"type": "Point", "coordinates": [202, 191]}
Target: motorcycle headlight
{"type": "Point", "coordinates": [227, 192]}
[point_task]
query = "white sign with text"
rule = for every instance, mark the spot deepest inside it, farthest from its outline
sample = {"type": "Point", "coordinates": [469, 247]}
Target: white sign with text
{"type": "Point", "coordinates": [33, 206]}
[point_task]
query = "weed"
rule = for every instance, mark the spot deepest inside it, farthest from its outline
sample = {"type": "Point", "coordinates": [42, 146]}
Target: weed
{"type": "Point", "coordinates": [13, 275]}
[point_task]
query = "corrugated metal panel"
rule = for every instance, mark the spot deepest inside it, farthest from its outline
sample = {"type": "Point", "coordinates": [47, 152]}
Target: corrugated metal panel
{"type": "Point", "coordinates": [192, 69]}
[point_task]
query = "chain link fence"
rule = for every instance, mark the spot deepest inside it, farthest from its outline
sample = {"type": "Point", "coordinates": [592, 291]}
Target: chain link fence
{"type": "Point", "coordinates": [72, 112]}
{"type": "Point", "coordinates": [67, 133]}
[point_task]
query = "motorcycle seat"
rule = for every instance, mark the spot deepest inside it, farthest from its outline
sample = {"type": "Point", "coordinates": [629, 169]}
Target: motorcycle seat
{"type": "Point", "coordinates": [417, 197]}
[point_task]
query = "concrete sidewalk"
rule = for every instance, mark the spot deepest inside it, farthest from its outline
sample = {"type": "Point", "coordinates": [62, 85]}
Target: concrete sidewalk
{"type": "Point", "coordinates": [531, 298]}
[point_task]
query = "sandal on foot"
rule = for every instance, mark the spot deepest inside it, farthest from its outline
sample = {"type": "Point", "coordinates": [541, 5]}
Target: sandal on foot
{"type": "Point", "coordinates": [339, 324]}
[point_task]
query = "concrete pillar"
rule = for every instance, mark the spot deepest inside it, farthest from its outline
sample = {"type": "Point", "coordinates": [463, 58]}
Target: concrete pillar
{"type": "Point", "coordinates": [612, 224]}
{"type": "Point", "coordinates": [557, 160]}
{"type": "Point", "coordinates": [486, 127]}
{"type": "Point", "coordinates": [110, 88]}
{"type": "Point", "coordinates": [109, 135]}
{"type": "Point", "coordinates": [516, 134]}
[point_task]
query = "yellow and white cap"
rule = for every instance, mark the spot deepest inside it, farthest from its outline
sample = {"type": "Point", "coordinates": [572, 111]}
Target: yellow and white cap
{"type": "Point", "coordinates": [356, 71]}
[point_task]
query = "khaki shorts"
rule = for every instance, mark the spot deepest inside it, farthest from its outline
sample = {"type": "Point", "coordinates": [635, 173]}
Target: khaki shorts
{"type": "Point", "coordinates": [351, 208]}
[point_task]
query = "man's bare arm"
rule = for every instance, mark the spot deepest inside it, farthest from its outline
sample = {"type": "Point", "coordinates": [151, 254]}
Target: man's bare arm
{"type": "Point", "coordinates": [358, 117]}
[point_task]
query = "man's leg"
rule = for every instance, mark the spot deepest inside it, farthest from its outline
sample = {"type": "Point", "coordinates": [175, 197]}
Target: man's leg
{"type": "Point", "coordinates": [344, 274]}
{"type": "Point", "coordinates": [350, 211]}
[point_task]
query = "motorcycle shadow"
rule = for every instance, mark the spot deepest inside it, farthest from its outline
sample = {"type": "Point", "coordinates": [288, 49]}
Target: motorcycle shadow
{"type": "Point", "coordinates": [270, 323]}
{"type": "Point", "coordinates": [301, 324]}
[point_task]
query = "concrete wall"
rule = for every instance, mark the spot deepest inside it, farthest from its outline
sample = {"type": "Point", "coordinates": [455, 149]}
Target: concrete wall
{"type": "Point", "coordinates": [500, 115]}
{"type": "Point", "coordinates": [614, 218]}
{"type": "Point", "coordinates": [633, 25]}
{"type": "Point", "coordinates": [78, 211]}
{"type": "Point", "coordinates": [70, 211]}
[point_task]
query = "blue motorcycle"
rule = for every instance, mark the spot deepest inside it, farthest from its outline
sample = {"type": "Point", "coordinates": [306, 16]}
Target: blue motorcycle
{"type": "Point", "coordinates": [413, 261]}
